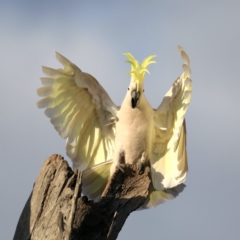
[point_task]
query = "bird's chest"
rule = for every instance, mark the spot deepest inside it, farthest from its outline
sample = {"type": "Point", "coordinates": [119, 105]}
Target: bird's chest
{"type": "Point", "coordinates": [133, 133]}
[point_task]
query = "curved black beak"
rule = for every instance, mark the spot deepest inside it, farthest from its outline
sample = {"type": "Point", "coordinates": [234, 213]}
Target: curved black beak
{"type": "Point", "coordinates": [135, 97]}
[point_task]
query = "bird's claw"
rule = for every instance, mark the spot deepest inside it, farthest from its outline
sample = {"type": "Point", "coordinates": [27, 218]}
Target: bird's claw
{"type": "Point", "coordinates": [140, 167]}
{"type": "Point", "coordinates": [120, 166]}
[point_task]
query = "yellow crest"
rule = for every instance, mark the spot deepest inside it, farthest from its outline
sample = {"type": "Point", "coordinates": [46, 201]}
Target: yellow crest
{"type": "Point", "coordinates": [138, 70]}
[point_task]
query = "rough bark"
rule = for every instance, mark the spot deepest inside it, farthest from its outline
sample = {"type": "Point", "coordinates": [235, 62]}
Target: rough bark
{"type": "Point", "coordinates": [56, 209]}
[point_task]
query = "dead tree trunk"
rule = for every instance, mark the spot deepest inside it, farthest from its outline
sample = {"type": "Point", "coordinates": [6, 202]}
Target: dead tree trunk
{"type": "Point", "coordinates": [56, 209]}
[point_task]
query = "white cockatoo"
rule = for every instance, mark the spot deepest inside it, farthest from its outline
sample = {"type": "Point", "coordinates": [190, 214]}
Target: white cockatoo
{"type": "Point", "coordinates": [102, 137]}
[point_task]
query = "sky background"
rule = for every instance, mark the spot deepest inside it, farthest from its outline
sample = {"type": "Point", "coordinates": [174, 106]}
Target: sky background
{"type": "Point", "coordinates": [93, 35]}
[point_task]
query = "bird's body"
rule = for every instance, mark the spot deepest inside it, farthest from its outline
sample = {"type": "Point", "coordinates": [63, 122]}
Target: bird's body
{"type": "Point", "coordinates": [137, 129]}
{"type": "Point", "coordinates": [102, 137]}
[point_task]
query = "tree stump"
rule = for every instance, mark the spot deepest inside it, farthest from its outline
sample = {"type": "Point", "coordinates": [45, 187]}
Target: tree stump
{"type": "Point", "coordinates": [57, 210]}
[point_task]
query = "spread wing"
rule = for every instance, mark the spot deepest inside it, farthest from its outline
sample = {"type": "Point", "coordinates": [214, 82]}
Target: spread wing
{"type": "Point", "coordinates": [81, 112]}
{"type": "Point", "coordinates": [169, 158]}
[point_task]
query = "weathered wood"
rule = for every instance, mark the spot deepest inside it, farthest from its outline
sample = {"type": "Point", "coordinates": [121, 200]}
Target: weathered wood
{"type": "Point", "coordinates": [56, 209]}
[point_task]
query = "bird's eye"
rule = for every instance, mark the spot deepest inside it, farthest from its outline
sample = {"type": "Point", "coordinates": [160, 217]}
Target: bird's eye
{"type": "Point", "coordinates": [143, 90]}
{"type": "Point", "coordinates": [128, 88]}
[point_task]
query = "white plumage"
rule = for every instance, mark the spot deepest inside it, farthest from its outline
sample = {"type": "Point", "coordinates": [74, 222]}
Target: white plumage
{"type": "Point", "coordinates": [99, 134]}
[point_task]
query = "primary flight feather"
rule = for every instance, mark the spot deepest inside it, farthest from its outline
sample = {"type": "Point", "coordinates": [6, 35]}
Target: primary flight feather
{"type": "Point", "coordinates": [101, 136]}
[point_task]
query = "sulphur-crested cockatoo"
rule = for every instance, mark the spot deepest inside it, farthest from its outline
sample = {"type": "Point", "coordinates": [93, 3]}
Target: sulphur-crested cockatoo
{"type": "Point", "coordinates": [101, 136]}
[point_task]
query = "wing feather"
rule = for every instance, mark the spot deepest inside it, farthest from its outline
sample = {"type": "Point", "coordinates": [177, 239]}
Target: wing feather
{"type": "Point", "coordinates": [159, 197]}
{"type": "Point", "coordinates": [81, 111]}
{"type": "Point", "coordinates": [95, 179]}
{"type": "Point", "coordinates": [47, 81]}
{"type": "Point", "coordinates": [169, 158]}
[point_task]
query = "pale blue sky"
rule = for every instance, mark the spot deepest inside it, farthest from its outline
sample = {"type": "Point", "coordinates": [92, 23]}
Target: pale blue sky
{"type": "Point", "coordinates": [93, 35]}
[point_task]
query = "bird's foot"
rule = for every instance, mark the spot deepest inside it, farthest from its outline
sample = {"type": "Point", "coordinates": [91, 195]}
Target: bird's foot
{"type": "Point", "coordinates": [121, 161]}
{"type": "Point", "coordinates": [120, 166]}
{"type": "Point", "coordinates": [140, 164]}
{"type": "Point", "coordinates": [117, 166]}
{"type": "Point", "coordinates": [140, 167]}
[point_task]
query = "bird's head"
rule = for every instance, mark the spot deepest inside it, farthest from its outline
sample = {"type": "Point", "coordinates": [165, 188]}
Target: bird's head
{"type": "Point", "coordinates": [137, 76]}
